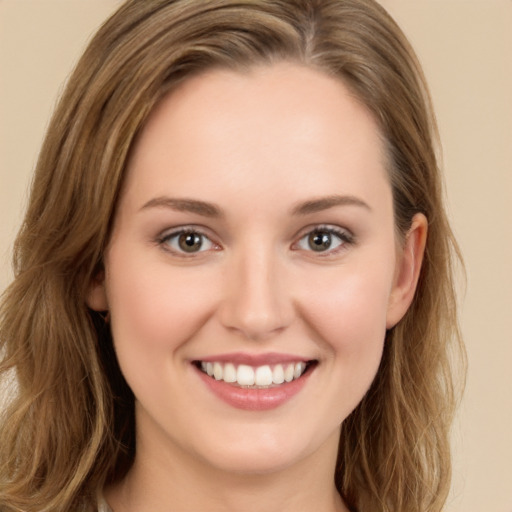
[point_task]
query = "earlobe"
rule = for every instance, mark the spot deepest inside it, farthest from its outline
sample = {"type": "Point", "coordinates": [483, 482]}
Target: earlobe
{"type": "Point", "coordinates": [96, 297]}
{"type": "Point", "coordinates": [408, 270]}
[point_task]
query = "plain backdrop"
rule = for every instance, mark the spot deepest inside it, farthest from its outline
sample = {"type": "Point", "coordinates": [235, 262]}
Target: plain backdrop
{"type": "Point", "coordinates": [465, 47]}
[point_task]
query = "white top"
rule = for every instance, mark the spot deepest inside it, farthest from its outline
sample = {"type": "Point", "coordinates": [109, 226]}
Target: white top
{"type": "Point", "coordinates": [103, 505]}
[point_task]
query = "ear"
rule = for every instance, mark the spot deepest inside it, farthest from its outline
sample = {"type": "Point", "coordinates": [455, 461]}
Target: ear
{"type": "Point", "coordinates": [407, 271]}
{"type": "Point", "coordinates": [96, 297]}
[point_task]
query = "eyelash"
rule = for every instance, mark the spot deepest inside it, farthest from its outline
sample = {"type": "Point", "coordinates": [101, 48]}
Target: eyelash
{"type": "Point", "coordinates": [164, 241]}
{"type": "Point", "coordinates": [345, 238]}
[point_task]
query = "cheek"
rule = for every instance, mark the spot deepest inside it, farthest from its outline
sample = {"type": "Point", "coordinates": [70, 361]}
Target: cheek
{"type": "Point", "coordinates": [350, 311]}
{"type": "Point", "coordinates": [156, 308]}
{"type": "Point", "coordinates": [154, 313]}
{"type": "Point", "coordinates": [348, 317]}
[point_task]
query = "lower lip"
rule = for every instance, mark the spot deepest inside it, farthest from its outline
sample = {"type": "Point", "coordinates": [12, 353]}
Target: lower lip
{"type": "Point", "coordinates": [252, 399]}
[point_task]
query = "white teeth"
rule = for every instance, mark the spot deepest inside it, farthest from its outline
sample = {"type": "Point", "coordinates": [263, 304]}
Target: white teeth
{"type": "Point", "coordinates": [299, 369]}
{"type": "Point", "coordinates": [218, 371]}
{"type": "Point", "coordinates": [229, 373]}
{"type": "Point", "coordinates": [288, 373]}
{"type": "Point", "coordinates": [263, 376]}
{"type": "Point", "coordinates": [278, 374]}
{"type": "Point", "coordinates": [245, 375]}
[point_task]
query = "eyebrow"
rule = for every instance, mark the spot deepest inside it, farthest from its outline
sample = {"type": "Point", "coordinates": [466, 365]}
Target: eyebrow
{"type": "Point", "coordinates": [184, 205]}
{"type": "Point", "coordinates": [324, 203]}
{"type": "Point", "coordinates": [206, 209]}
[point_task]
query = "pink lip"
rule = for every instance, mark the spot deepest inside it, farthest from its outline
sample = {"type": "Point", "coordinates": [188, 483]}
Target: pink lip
{"type": "Point", "coordinates": [254, 399]}
{"type": "Point", "coordinates": [254, 359]}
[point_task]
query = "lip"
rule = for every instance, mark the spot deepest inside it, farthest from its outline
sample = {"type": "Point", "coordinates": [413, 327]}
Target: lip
{"type": "Point", "coordinates": [269, 358]}
{"type": "Point", "coordinates": [251, 399]}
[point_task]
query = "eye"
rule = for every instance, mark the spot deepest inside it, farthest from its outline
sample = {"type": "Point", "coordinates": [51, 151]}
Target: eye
{"type": "Point", "coordinates": [325, 240]}
{"type": "Point", "coordinates": [187, 241]}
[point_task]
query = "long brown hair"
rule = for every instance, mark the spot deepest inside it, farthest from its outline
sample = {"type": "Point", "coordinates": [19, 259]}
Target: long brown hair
{"type": "Point", "coordinates": [68, 427]}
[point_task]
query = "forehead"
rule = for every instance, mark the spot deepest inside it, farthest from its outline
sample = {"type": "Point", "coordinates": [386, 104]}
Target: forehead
{"type": "Point", "coordinates": [278, 125]}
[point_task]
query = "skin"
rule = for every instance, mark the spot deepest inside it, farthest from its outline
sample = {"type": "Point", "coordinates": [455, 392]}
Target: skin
{"type": "Point", "coordinates": [257, 146]}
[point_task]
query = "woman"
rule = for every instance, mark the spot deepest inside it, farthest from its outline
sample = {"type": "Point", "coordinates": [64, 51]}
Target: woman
{"type": "Point", "coordinates": [233, 282]}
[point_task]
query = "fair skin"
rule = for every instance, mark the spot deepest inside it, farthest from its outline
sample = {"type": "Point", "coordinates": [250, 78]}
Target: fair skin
{"type": "Point", "coordinates": [289, 255]}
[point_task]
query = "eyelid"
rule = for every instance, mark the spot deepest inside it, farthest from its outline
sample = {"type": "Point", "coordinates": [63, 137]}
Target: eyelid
{"type": "Point", "coordinates": [346, 237]}
{"type": "Point", "coordinates": [163, 238]}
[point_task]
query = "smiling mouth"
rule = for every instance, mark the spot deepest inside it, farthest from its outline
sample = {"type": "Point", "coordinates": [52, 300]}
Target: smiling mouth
{"type": "Point", "coordinates": [255, 377]}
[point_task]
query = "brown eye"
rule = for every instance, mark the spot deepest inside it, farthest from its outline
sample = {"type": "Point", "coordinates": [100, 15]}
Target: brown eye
{"type": "Point", "coordinates": [320, 241]}
{"type": "Point", "coordinates": [328, 239]}
{"type": "Point", "coordinates": [186, 242]}
{"type": "Point", "coordinates": [190, 242]}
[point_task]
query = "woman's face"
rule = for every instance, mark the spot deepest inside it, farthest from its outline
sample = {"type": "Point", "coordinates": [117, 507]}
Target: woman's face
{"type": "Point", "coordinates": [254, 239]}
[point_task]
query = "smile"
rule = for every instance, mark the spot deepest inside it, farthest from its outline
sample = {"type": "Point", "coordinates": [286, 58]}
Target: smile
{"type": "Point", "coordinates": [255, 383]}
{"type": "Point", "coordinates": [264, 376]}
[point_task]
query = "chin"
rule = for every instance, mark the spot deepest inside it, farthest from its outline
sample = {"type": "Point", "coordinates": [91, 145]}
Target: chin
{"type": "Point", "coordinates": [251, 453]}
{"type": "Point", "coordinates": [256, 462]}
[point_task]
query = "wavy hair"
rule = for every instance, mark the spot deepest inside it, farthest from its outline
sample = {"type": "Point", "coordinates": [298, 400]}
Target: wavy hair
{"type": "Point", "coordinates": [68, 426]}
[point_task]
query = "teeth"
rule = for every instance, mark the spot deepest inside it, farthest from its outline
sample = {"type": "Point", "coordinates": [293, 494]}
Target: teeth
{"type": "Point", "coordinates": [299, 370]}
{"type": "Point", "coordinates": [229, 373]}
{"type": "Point", "coordinates": [263, 376]}
{"type": "Point", "coordinates": [289, 372]}
{"type": "Point", "coordinates": [245, 375]}
{"type": "Point", "coordinates": [278, 374]}
{"type": "Point", "coordinates": [218, 371]}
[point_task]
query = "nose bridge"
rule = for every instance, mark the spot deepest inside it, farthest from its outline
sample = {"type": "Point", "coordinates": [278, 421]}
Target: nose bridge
{"type": "Point", "coordinates": [256, 301]}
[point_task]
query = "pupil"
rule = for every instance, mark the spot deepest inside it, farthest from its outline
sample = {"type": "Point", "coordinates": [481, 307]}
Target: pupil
{"type": "Point", "coordinates": [190, 242]}
{"type": "Point", "coordinates": [320, 241]}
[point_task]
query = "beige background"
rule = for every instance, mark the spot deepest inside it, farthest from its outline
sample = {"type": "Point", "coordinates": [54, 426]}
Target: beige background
{"type": "Point", "coordinates": [465, 47]}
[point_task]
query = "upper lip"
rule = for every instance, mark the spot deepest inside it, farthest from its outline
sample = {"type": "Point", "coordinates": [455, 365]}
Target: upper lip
{"type": "Point", "coordinates": [269, 358]}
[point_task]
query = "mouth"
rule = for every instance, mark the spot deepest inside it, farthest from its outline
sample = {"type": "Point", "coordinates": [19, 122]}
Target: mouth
{"type": "Point", "coordinates": [255, 377]}
{"type": "Point", "coordinates": [255, 382]}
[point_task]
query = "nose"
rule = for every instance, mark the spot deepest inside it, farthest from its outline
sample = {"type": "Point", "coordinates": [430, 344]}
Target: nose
{"type": "Point", "coordinates": [257, 302]}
